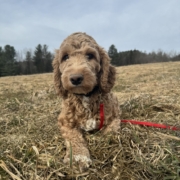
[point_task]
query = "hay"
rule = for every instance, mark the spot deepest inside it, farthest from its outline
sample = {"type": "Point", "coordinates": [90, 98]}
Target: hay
{"type": "Point", "coordinates": [31, 146]}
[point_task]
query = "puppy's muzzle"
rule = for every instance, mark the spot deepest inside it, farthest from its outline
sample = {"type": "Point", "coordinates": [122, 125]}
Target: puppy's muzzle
{"type": "Point", "coordinates": [76, 79]}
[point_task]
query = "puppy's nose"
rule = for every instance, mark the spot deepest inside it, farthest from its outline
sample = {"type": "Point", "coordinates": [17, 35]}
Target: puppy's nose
{"type": "Point", "coordinates": [76, 79]}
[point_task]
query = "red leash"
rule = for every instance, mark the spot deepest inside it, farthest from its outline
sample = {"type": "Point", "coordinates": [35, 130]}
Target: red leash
{"type": "Point", "coordinates": [144, 123]}
{"type": "Point", "coordinates": [101, 115]}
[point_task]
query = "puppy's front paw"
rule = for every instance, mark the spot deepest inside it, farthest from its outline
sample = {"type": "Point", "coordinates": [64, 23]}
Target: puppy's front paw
{"type": "Point", "coordinates": [83, 161]}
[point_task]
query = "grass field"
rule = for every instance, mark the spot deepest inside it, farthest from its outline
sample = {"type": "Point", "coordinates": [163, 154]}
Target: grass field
{"type": "Point", "coordinates": [31, 147]}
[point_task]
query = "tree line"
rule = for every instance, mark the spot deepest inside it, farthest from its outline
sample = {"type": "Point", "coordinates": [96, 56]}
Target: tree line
{"type": "Point", "coordinates": [40, 60]}
{"type": "Point", "coordinates": [12, 63]}
{"type": "Point", "coordinates": [137, 57]}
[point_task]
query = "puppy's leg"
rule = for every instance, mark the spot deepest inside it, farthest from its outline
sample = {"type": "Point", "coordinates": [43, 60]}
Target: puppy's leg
{"type": "Point", "coordinates": [114, 126]}
{"type": "Point", "coordinates": [75, 142]}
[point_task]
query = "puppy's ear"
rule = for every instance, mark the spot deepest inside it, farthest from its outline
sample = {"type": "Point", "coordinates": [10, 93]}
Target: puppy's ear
{"type": "Point", "coordinates": [57, 76]}
{"type": "Point", "coordinates": [107, 72]}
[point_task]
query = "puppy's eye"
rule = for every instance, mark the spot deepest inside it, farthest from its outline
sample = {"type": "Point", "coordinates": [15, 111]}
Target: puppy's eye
{"type": "Point", "coordinates": [90, 56]}
{"type": "Point", "coordinates": [65, 57]}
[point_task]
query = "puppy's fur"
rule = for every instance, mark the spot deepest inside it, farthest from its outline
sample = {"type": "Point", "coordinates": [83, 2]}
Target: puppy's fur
{"type": "Point", "coordinates": [84, 77]}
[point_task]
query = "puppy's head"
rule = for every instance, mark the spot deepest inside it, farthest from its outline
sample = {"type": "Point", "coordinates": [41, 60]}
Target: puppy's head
{"type": "Point", "coordinates": [80, 65]}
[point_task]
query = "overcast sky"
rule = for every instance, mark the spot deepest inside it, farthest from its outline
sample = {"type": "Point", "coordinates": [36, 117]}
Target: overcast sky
{"type": "Point", "coordinates": [144, 25]}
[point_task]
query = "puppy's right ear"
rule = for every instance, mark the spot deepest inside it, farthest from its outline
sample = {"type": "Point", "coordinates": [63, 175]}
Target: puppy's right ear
{"type": "Point", "coordinates": [57, 76]}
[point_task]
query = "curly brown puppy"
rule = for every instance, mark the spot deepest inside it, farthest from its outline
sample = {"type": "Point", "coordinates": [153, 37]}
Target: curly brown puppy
{"type": "Point", "coordinates": [84, 77]}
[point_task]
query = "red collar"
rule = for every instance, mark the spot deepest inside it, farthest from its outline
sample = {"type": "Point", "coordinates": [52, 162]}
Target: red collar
{"type": "Point", "coordinates": [101, 106]}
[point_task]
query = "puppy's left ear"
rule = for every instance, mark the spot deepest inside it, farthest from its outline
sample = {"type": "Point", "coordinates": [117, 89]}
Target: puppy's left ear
{"type": "Point", "coordinates": [107, 72]}
{"type": "Point", "coordinates": [57, 76]}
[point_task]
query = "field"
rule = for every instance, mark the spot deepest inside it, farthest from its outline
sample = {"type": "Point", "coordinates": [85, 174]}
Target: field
{"type": "Point", "coordinates": [31, 147]}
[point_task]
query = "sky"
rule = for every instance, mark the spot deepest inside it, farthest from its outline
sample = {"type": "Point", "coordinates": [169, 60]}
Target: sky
{"type": "Point", "coordinates": [145, 25]}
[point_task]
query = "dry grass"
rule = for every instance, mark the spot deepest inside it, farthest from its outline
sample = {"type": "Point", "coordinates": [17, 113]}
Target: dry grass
{"type": "Point", "coordinates": [31, 146]}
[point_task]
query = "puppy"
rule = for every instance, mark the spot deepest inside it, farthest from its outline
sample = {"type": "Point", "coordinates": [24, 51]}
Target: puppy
{"type": "Point", "coordinates": [83, 78]}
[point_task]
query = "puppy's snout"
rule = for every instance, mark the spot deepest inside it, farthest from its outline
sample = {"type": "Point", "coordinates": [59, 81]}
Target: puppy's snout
{"type": "Point", "coordinates": [76, 79]}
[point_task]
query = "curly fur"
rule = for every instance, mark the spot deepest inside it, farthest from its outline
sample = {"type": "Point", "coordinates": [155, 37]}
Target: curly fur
{"type": "Point", "coordinates": [80, 55]}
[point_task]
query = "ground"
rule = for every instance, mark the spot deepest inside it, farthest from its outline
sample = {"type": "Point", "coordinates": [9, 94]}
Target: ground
{"type": "Point", "coordinates": [31, 146]}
